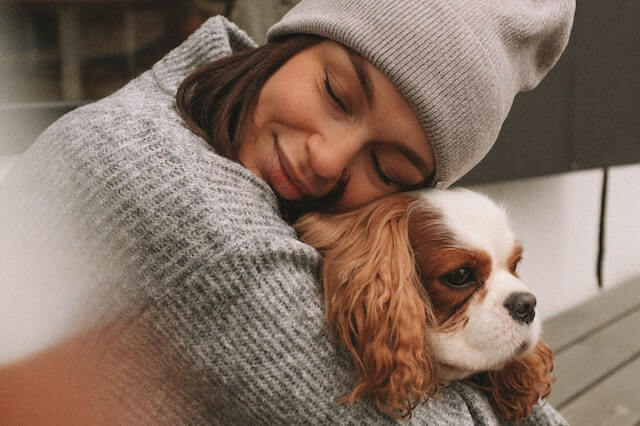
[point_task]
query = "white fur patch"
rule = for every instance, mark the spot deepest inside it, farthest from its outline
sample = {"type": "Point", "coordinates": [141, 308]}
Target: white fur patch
{"type": "Point", "coordinates": [491, 337]}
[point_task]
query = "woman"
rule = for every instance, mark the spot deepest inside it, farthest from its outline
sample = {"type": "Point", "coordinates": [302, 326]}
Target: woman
{"type": "Point", "coordinates": [196, 300]}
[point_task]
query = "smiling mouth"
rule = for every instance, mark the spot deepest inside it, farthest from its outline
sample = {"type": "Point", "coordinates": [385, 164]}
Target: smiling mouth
{"type": "Point", "coordinates": [290, 173]}
{"type": "Point", "coordinates": [280, 179]}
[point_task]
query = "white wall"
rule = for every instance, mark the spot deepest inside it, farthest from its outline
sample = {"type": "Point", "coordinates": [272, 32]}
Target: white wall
{"type": "Point", "coordinates": [557, 219]}
{"type": "Point", "coordinates": [622, 226]}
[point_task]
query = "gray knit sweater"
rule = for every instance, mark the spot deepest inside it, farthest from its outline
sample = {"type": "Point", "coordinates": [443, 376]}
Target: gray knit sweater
{"type": "Point", "coordinates": [120, 203]}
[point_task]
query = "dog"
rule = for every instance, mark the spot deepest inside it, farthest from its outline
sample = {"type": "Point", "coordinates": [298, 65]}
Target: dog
{"type": "Point", "coordinates": [421, 289]}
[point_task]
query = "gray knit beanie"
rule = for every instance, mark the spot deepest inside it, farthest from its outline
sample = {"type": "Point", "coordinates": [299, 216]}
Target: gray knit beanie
{"type": "Point", "coordinates": [459, 63]}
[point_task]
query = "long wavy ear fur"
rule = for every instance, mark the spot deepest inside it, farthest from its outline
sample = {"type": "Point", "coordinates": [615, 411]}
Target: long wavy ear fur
{"type": "Point", "coordinates": [517, 387]}
{"type": "Point", "coordinates": [373, 301]}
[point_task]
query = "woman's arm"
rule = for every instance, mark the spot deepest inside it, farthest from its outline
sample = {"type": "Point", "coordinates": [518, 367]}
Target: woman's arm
{"type": "Point", "coordinates": [63, 384]}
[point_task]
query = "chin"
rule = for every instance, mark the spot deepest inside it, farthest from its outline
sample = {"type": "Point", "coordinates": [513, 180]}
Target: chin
{"type": "Point", "coordinates": [422, 289]}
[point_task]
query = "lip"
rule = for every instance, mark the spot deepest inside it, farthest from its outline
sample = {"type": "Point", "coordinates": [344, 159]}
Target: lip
{"type": "Point", "coordinates": [291, 173]}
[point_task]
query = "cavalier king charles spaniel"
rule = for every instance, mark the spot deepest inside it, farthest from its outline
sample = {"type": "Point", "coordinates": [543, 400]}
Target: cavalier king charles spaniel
{"type": "Point", "coordinates": [422, 289]}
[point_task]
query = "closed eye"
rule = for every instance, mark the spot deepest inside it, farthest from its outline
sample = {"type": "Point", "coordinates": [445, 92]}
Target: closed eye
{"type": "Point", "coordinates": [376, 165]}
{"type": "Point", "coordinates": [332, 94]}
{"type": "Point", "coordinates": [393, 168]}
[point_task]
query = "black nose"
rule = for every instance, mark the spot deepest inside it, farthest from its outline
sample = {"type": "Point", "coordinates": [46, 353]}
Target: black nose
{"type": "Point", "coordinates": [521, 307]}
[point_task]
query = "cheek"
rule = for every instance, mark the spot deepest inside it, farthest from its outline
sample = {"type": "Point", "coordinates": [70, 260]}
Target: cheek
{"type": "Point", "coordinates": [289, 101]}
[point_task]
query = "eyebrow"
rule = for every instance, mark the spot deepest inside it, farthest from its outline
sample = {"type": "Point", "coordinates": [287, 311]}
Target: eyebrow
{"type": "Point", "coordinates": [363, 75]}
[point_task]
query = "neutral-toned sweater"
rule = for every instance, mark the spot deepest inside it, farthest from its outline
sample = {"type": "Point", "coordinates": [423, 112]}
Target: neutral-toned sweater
{"type": "Point", "coordinates": [121, 209]}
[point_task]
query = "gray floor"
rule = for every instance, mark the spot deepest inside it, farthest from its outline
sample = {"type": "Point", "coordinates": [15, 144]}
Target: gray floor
{"type": "Point", "coordinates": [597, 358]}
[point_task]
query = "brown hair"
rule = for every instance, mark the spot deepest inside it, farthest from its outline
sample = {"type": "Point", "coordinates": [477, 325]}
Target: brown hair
{"type": "Point", "coordinates": [215, 100]}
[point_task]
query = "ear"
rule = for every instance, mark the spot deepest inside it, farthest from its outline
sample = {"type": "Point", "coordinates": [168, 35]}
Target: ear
{"type": "Point", "coordinates": [517, 387]}
{"type": "Point", "coordinates": [373, 300]}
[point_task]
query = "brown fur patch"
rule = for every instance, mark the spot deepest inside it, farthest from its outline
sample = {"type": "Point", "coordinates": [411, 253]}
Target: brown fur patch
{"type": "Point", "coordinates": [373, 301]}
{"type": "Point", "coordinates": [514, 259]}
{"type": "Point", "coordinates": [518, 386]}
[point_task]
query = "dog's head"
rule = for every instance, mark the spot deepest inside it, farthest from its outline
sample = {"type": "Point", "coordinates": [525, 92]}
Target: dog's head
{"type": "Point", "coordinates": [423, 289]}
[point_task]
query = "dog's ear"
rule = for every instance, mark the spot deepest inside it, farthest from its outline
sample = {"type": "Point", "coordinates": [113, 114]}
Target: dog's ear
{"type": "Point", "coordinates": [373, 300]}
{"type": "Point", "coordinates": [517, 387]}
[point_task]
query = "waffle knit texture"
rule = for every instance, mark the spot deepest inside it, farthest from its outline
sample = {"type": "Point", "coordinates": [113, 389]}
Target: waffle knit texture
{"type": "Point", "coordinates": [459, 63]}
{"type": "Point", "coordinates": [123, 210]}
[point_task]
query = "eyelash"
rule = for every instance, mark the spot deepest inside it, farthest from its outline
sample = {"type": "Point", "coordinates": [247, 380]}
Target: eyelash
{"type": "Point", "coordinates": [332, 94]}
{"type": "Point", "coordinates": [376, 164]}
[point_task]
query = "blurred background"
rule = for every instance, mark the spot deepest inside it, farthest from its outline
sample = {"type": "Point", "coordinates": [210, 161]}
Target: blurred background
{"type": "Point", "coordinates": [567, 164]}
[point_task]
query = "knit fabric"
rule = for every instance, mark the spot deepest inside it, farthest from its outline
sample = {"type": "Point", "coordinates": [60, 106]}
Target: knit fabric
{"type": "Point", "coordinates": [459, 63]}
{"type": "Point", "coordinates": [120, 202]}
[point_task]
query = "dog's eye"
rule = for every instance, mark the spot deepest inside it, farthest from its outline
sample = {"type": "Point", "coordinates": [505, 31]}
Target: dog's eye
{"type": "Point", "coordinates": [459, 277]}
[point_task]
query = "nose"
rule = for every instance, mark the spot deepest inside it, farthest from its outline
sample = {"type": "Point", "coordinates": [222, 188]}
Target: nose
{"type": "Point", "coordinates": [331, 155]}
{"type": "Point", "coordinates": [521, 306]}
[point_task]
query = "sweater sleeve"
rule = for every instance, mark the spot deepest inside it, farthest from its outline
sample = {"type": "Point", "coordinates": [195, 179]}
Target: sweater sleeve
{"type": "Point", "coordinates": [264, 354]}
{"type": "Point", "coordinates": [250, 336]}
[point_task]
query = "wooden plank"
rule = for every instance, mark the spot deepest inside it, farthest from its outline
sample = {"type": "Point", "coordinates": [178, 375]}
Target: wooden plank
{"type": "Point", "coordinates": [615, 401]}
{"type": "Point", "coordinates": [590, 360]}
{"type": "Point", "coordinates": [574, 324]}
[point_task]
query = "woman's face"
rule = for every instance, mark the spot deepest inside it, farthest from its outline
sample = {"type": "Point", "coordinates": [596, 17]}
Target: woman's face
{"type": "Point", "coordinates": [329, 119]}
